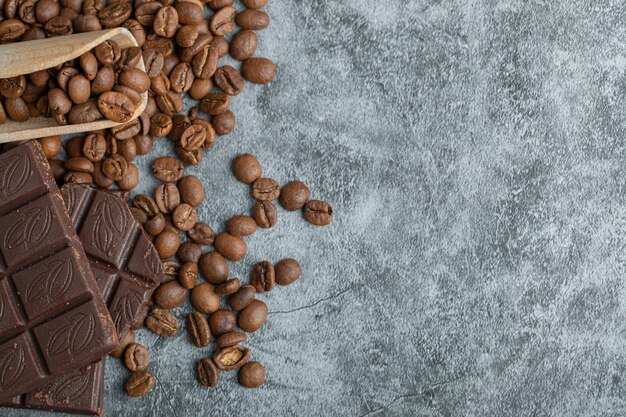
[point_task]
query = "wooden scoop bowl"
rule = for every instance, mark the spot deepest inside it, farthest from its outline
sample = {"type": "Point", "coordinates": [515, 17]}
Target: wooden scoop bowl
{"type": "Point", "coordinates": [23, 58]}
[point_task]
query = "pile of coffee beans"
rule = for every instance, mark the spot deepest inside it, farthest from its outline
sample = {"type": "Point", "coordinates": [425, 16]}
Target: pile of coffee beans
{"type": "Point", "coordinates": [102, 83]}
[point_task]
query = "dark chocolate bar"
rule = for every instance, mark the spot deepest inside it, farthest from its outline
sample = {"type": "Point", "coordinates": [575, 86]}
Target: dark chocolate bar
{"type": "Point", "coordinates": [52, 317]}
{"type": "Point", "coordinates": [79, 392]}
{"type": "Point", "coordinates": [126, 265]}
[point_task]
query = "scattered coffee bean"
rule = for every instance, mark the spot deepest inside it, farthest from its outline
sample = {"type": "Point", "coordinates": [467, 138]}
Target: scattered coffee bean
{"type": "Point", "coordinates": [167, 197]}
{"type": "Point", "coordinates": [155, 225]}
{"type": "Point", "coordinates": [287, 271]}
{"type": "Point", "coordinates": [167, 243]}
{"type": "Point", "coordinates": [247, 168]}
{"type": "Point", "coordinates": [171, 269]}
{"type": "Point", "coordinates": [229, 287]}
{"type": "Point", "coordinates": [136, 357]}
{"type": "Point", "coordinates": [265, 214]}
{"type": "Point", "coordinates": [241, 226]}
{"type": "Point", "coordinates": [207, 372]}
{"type": "Point", "coordinates": [294, 195]}
{"type": "Point", "coordinates": [265, 189]}
{"type": "Point", "coordinates": [189, 252]}
{"type": "Point", "coordinates": [231, 358]}
{"type": "Point", "coordinates": [213, 268]}
{"type": "Point", "coordinates": [188, 275]}
{"type": "Point", "coordinates": [147, 204]}
{"type": "Point", "coordinates": [199, 329]}
{"type": "Point", "coordinates": [139, 383]}
{"type": "Point", "coordinates": [258, 70]}
{"type": "Point", "coordinates": [222, 321]}
{"type": "Point", "coordinates": [223, 123]}
{"type": "Point", "coordinates": [51, 146]}
{"type": "Point", "coordinates": [231, 339]}
{"type": "Point", "coordinates": [253, 316]}
{"type": "Point", "coordinates": [162, 323]}
{"type": "Point", "coordinates": [263, 276]}
{"type": "Point", "coordinates": [170, 295]}
{"type": "Point", "coordinates": [127, 339]}
{"type": "Point", "coordinates": [223, 21]}
{"type": "Point", "coordinates": [318, 213]}
{"type": "Point", "coordinates": [191, 190]}
{"type": "Point", "coordinates": [202, 234]}
{"type": "Point", "coordinates": [214, 104]}
{"type": "Point", "coordinates": [252, 375]}
{"type": "Point", "coordinates": [167, 169]}
{"type": "Point", "coordinates": [243, 45]}
{"type": "Point", "coordinates": [229, 80]}
{"type": "Point", "coordinates": [242, 298]}
{"type": "Point", "coordinates": [253, 19]}
{"type": "Point", "coordinates": [184, 217]}
{"type": "Point", "coordinates": [204, 298]}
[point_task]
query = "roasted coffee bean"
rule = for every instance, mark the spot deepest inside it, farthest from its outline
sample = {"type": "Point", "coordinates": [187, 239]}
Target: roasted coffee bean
{"type": "Point", "coordinates": [166, 22]}
{"type": "Point", "coordinates": [258, 70]}
{"type": "Point", "coordinates": [127, 149]}
{"type": "Point", "coordinates": [184, 217]}
{"type": "Point", "coordinates": [231, 247]}
{"type": "Point", "coordinates": [84, 113]}
{"type": "Point", "coordinates": [247, 168]}
{"type": "Point", "coordinates": [58, 101]}
{"type": "Point", "coordinates": [46, 10]}
{"type": "Point", "coordinates": [51, 146]}
{"type": "Point", "coordinates": [31, 93]}
{"type": "Point", "coordinates": [162, 322]}
{"type": "Point", "coordinates": [318, 213]}
{"type": "Point", "coordinates": [159, 43]}
{"type": "Point", "coordinates": [229, 80]}
{"type": "Point", "coordinates": [108, 52]}
{"type": "Point", "coordinates": [224, 123]}
{"type": "Point", "coordinates": [265, 214]}
{"type": "Point", "coordinates": [170, 103]}
{"type": "Point", "coordinates": [115, 167]}
{"type": "Point", "coordinates": [11, 30]}
{"type": "Point", "coordinates": [13, 87]}
{"type": "Point", "coordinates": [252, 375]}
{"type": "Point", "coordinates": [204, 64]}
{"type": "Point", "coordinates": [115, 14]}
{"type": "Point", "coordinates": [242, 298]}
{"type": "Point", "coordinates": [241, 226]}
{"type": "Point", "coordinates": [263, 276]}
{"type": "Point", "coordinates": [127, 339]}
{"type": "Point", "coordinates": [136, 79]}
{"type": "Point", "coordinates": [294, 195]}
{"type": "Point", "coordinates": [136, 357]}
{"type": "Point", "coordinates": [202, 41]}
{"type": "Point", "coordinates": [180, 122]}
{"type": "Point", "coordinates": [143, 143]}
{"type": "Point", "coordinates": [42, 106]}
{"type": "Point", "coordinates": [223, 21]}
{"type": "Point", "coordinates": [86, 23]}
{"type": "Point", "coordinates": [218, 4]}
{"type": "Point", "coordinates": [145, 14]}
{"type": "Point", "coordinates": [253, 19]}
{"type": "Point", "coordinates": [265, 189]}
{"type": "Point", "coordinates": [170, 295]}
{"type": "Point", "coordinates": [160, 84]}
{"type": "Point", "coordinates": [213, 268]}
{"type": "Point", "coordinates": [153, 61]}
{"type": "Point", "coordinates": [79, 89]}
{"type": "Point", "coordinates": [167, 243]}
{"type": "Point", "coordinates": [135, 29]}
{"type": "Point", "coordinates": [222, 321]}
{"type": "Point", "coordinates": [181, 78]}
{"type": "Point", "coordinates": [243, 45]}
{"type": "Point", "coordinates": [204, 298]}
{"type": "Point", "coordinates": [60, 119]}
{"type": "Point", "coordinates": [168, 169]}
{"type": "Point", "coordinates": [231, 358]}
{"type": "Point", "coordinates": [221, 46]}
{"type": "Point", "coordinates": [191, 190]}
{"type": "Point", "coordinates": [231, 339]}
{"type": "Point", "coordinates": [169, 62]}
{"type": "Point", "coordinates": [130, 58]}
{"type": "Point", "coordinates": [171, 269]}
{"type": "Point", "coordinates": [75, 177]}
{"type": "Point", "coordinates": [139, 383]}
{"type": "Point", "coordinates": [189, 13]}
{"type": "Point", "coordinates": [253, 316]}
{"type": "Point", "coordinates": [200, 88]}
{"type": "Point", "coordinates": [167, 197]}
{"type": "Point", "coordinates": [188, 275]}
{"type": "Point", "coordinates": [207, 372]}
{"type": "Point", "coordinates": [130, 180]}
{"type": "Point", "coordinates": [187, 35]}
{"type": "Point", "coordinates": [215, 103]}
{"type": "Point", "coordinates": [116, 106]}
{"type": "Point", "coordinates": [209, 137]}
{"type": "Point", "coordinates": [189, 252]}
{"type": "Point", "coordinates": [189, 157]}
{"type": "Point", "coordinates": [254, 4]}
{"type": "Point", "coordinates": [155, 225]}
{"type": "Point", "coordinates": [202, 234]}
{"type": "Point", "coordinates": [231, 286]}
{"type": "Point", "coordinates": [193, 138]}
{"type": "Point", "coordinates": [160, 125]}
{"type": "Point", "coordinates": [146, 203]}
{"type": "Point", "coordinates": [104, 80]}
{"type": "Point", "coordinates": [17, 109]}
{"type": "Point", "coordinates": [133, 95]}
{"type": "Point", "coordinates": [199, 329]}
{"type": "Point", "coordinates": [79, 164]}
{"type": "Point", "coordinates": [58, 26]}
{"type": "Point", "coordinates": [287, 271]}
{"type": "Point", "coordinates": [99, 178]}
{"type": "Point", "coordinates": [34, 33]}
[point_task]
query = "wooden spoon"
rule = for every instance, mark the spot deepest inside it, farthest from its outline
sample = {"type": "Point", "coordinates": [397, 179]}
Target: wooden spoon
{"type": "Point", "coordinates": [28, 57]}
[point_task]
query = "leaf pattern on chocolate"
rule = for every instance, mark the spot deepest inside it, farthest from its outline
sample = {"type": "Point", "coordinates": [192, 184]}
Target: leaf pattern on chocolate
{"type": "Point", "coordinates": [1, 303]}
{"type": "Point", "coordinates": [102, 233]}
{"type": "Point", "coordinates": [33, 227]}
{"type": "Point", "coordinates": [14, 173]}
{"type": "Point", "coordinates": [114, 215]}
{"type": "Point", "coordinates": [69, 196]}
{"type": "Point", "coordinates": [53, 282]}
{"type": "Point", "coordinates": [151, 259]}
{"type": "Point", "coordinates": [74, 336]}
{"type": "Point", "coordinates": [12, 363]}
{"type": "Point", "coordinates": [124, 310]}
{"type": "Point", "coordinates": [71, 387]}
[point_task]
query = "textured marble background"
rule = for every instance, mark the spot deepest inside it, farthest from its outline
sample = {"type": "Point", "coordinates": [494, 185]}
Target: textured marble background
{"type": "Point", "coordinates": [474, 153]}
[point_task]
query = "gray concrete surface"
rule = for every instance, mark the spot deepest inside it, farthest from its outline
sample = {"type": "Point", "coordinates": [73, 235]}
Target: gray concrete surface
{"type": "Point", "coordinates": [474, 153]}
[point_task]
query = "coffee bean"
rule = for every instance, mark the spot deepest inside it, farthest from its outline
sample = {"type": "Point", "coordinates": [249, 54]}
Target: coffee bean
{"type": "Point", "coordinates": [136, 357]}
{"type": "Point", "coordinates": [99, 178]}
{"type": "Point", "coordinates": [191, 190]}
{"type": "Point", "coordinates": [13, 87]}
{"type": "Point", "coordinates": [170, 103]}
{"type": "Point", "coordinates": [222, 321]}
{"type": "Point", "coordinates": [17, 109]}
{"type": "Point", "coordinates": [167, 243]}
{"type": "Point", "coordinates": [200, 88]}
{"type": "Point", "coordinates": [229, 80]}
{"type": "Point", "coordinates": [155, 225]}
{"type": "Point", "coordinates": [160, 125]}
{"type": "Point", "coordinates": [147, 204]}
{"type": "Point", "coordinates": [265, 189]}
{"type": "Point", "coordinates": [231, 339]}
{"type": "Point", "coordinates": [145, 14]}
{"type": "Point", "coordinates": [247, 168]}
{"type": "Point", "coordinates": [294, 195]}
{"type": "Point", "coordinates": [168, 169]}
{"type": "Point", "coordinates": [252, 375]}
{"type": "Point", "coordinates": [253, 19]}
{"type": "Point", "coordinates": [231, 358]}
{"type": "Point", "coordinates": [220, 44]}
{"type": "Point", "coordinates": [242, 298]}
{"type": "Point", "coordinates": [189, 252]}
{"type": "Point", "coordinates": [188, 275]}
{"type": "Point", "coordinates": [254, 4]}
{"type": "Point", "coordinates": [241, 226]}
{"type": "Point", "coordinates": [84, 113]}
{"type": "Point", "coordinates": [166, 22]}
{"type": "Point", "coordinates": [116, 106]}
{"type": "Point", "coordinates": [224, 123]}
{"type": "Point", "coordinates": [160, 84]}
{"type": "Point", "coordinates": [133, 95]}
{"type": "Point", "coordinates": [167, 197]}
{"type": "Point", "coordinates": [209, 138]}
{"type": "Point", "coordinates": [51, 146]}
{"type": "Point", "coordinates": [213, 268]}
{"type": "Point", "coordinates": [139, 383]}
{"type": "Point", "coordinates": [184, 217]}
{"type": "Point", "coordinates": [58, 26]}
{"type": "Point", "coordinates": [199, 329]}
{"type": "Point", "coordinates": [189, 157]}
{"type": "Point", "coordinates": [231, 247]}
{"type": "Point", "coordinates": [170, 295]}
{"type": "Point", "coordinates": [127, 149]}
{"type": "Point", "coordinates": [218, 4]}
{"type": "Point", "coordinates": [86, 23]}
{"type": "Point", "coordinates": [115, 14]}
{"type": "Point", "coordinates": [193, 137]}
{"type": "Point", "coordinates": [127, 339]}
{"type": "Point", "coordinates": [207, 372]}
{"type": "Point", "coordinates": [204, 63]}
{"type": "Point", "coordinates": [162, 323]}
{"type": "Point", "coordinates": [136, 79]}
{"type": "Point", "coordinates": [153, 61]}
{"type": "Point", "coordinates": [143, 143]}
{"type": "Point", "coordinates": [263, 276]}
{"type": "Point", "coordinates": [287, 271]}
{"type": "Point", "coordinates": [181, 78]}
{"type": "Point", "coordinates": [104, 80]}
{"type": "Point", "coordinates": [130, 58]}
{"type": "Point", "coordinates": [46, 10]}
{"type": "Point", "coordinates": [115, 167]}
{"type": "Point", "coordinates": [243, 45]}
{"type": "Point", "coordinates": [75, 177]}
{"type": "Point", "coordinates": [180, 122]}
{"type": "Point", "coordinates": [135, 29]}
{"type": "Point", "coordinates": [253, 316]}
{"type": "Point", "coordinates": [108, 52]}
{"type": "Point", "coordinates": [189, 13]}
{"type": "Point", "coordinates": [231, 286]}
{"type": "Point", "coordinates": [79, 164]}
{"type": "Point", "coordinates": [187, 35]}
{"type": "Point", "coordinates": [202, 234]}
{"type": "Point", "coordinates": [318, 213]}
{"type": "Point", "coordinates": [11, 30]}
{"type": "Point", "coordinates": [223, 21]}
{"type": "Point", "coordinates": [215, 103]}
{"type": "Point", "coordinates": [79, 89]}
{"type": "Point", "coordinates": [171, 269]}
{"type": "Point", "coordinates": [94, 147]}
{"type": "Point", "coordinates": [204, 298]}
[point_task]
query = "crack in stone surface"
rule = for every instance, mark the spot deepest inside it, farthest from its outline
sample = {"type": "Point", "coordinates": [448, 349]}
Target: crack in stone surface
{"type": "Point", "coordinates": [339, 294]}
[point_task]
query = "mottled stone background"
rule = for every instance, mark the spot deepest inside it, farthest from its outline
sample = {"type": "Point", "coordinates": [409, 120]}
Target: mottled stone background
{"type": "Point", "coordinates": [474, 153]}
